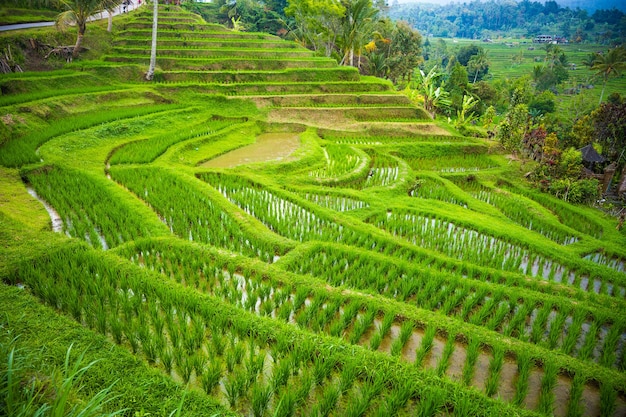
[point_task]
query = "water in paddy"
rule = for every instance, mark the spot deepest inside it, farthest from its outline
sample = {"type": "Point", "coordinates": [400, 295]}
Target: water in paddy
{"type": "Point", "coordinates": [268, 147]}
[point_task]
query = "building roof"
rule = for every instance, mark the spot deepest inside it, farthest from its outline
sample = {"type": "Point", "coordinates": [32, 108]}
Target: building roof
{"type": "Point", "coordinates": [590, 155]}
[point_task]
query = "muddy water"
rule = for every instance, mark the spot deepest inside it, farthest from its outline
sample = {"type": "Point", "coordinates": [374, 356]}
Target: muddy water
{"type": "Point", "coordinates": [457, 361]}
{"type": "Point", "coordinates": [561, 395]}
{"type": "Point", "coordinates": [392, 334]}
{"type": "Point", "coordinates": [436, 351]}
{"type": "Point", "coordinates": [508, 380]}
{"type": "Point", "coordinates": [481, 371]}
{"type": "Point", "coordinates": [411, 346]}
{"type": "Point", "coordinates": [534, 386]}
{"type": "Point", "coordinates": [55, 218]}
{"type": "Point", "coordinates": [268, 147]}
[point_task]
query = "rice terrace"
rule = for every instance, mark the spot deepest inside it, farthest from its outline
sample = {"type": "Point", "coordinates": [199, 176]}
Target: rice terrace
{"type": "Point", "coordinates": [260, 231]}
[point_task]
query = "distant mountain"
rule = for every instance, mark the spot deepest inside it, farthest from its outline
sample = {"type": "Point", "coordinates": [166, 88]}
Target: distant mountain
{"type": "Point", "coordinates": [589, 5]}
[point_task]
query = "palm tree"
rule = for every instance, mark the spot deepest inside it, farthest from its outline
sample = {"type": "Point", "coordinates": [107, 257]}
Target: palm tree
{"type": "Point", "coordinates": [478, 61]}
{"type": "Point", "coordinates": [155, 11]}
{"type": "Point", "coordinates": [78, 13]}
{"type": "Point", "coordinates": [609, 65]}
{"type": "Point", "coordinates": [357, 27]}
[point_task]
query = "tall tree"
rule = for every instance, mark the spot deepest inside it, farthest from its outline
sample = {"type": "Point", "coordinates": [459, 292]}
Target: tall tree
{"type": "Point", "coordinates": [318, 22]}
{"type": "Point", "coordinates": [155, 20]}
{"type": "Point", "coordinates": [357, 26]}
{"type": "Point", "coordinates": [609, 65]}
{"type": "Point", "coordinates": [478, 64]}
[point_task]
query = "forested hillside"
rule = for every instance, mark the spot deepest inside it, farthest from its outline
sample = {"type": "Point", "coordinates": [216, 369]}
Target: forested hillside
{"type": "Point", "coordinates": [526, 19]}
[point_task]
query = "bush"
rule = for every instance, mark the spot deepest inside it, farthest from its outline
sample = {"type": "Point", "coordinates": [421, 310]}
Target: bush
{"type": "Point", "coordinates": [584, 191]}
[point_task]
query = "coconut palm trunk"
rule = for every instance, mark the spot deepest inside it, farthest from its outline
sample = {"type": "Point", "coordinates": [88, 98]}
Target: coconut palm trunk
{"type": "Point", "coordinates": [82, 27]}
{"type": "Point", "coordinates": [150, 73]}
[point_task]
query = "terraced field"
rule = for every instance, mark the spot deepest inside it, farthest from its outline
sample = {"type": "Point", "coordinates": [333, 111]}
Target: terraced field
{"type": "Point", "coordinates": [262, 232]}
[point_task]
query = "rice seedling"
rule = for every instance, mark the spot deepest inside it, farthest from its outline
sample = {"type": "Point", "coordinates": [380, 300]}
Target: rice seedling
{"type": "Point", "coordinates": [361, 325]}
{"type": "Point", "coordinates": [608, 396]}
{"type": "Point", "coordinates": [348, 375]}
{"type": "Point", "coordinates": [261, 397]}
{"type": "Point", "coordinates": [286, 405]}
{"type": "Point", "coordinates": [329, 399]}
{"type": "Point", "coordinates": [425, 346]}
{"type": "Point", "coordinates": [609, 351]}
{"type": "Point", "coordinates": [430, 404]}
{"type": "Point", "coordinates": [232, 388]}
{"type": "Point", "coordinates": [212, 375]}
{"type": "Point", "coordinates": [444, 361]}
{"type": "Point", "coordinates": [473, 350]}
{"type": "Point", "coordinates": [495, 369]}
{"type": "Point", "coordinates": [546, 393]}
{"type": "Point", "coordinates": [574, 406]}
{"type": "Point", "coordinates": [574, 331]}
{"type": "Point", "coordinates": [524, 363]}
{"type": "Point", "coordinates": [304, 387]}
{"type": "Point", "coordinates": [280, 374]}
{"type": "Point", "coordinates": [322, 369]}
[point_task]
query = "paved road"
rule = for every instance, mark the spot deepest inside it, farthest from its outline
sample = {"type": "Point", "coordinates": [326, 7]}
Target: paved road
{"type": "Point", "coordinates": [103, 15]}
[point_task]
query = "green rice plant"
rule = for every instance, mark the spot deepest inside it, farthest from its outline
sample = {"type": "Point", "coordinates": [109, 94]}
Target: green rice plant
{"type": "Point", "coordinates": [397, 399]}
{"type": "Point", "coordinates": [280, 214]}
{"type": "Point", "coordinates": [304, 387]}
{"type": "Point", "coordinates": [495, 369]}
{"type": "Point", "coordinates": [473, 350]}
{"type": "Point", "coordinates": [167, 359]}
{"type": "Point", "coordinates": [89, 209]}
{"type": "Point", "coordinates": [348, 375]}
{"type": "Point", "coordinates": [574, 406]}
{"type": "Point", "coordinates": [322, 369]}
{"type": "Point", "coordinates": [329, 399]}
{"type": "Point", "coordinates": [261, 397]}
{"type": "Point", "coordinates": [444, 362]}
{"type": "Point", "coordinates": [546, 393]}
{"type": "Point", "coordinates": [465, 407]}
{"type": "Point", "coordinates": [504, 309]}
{"type": "Point", "coordinates": [608, 356]}
{"type": "Point", "coordinates": [212, 375]}
{"type": "Point", "coordinates": [184, 366]}
{"type": "Point", "coordinates": [430, 404]}
{"type": "Point", "coordinates": [198, 361]}
{"type": "Point", "coordinates": [608, 397]}
{"type": "Point", "coordinates": [376, 340]}
{"type": "Point", "coordinates": [17, 153]}
{"type": "Point", "coordinates": [361, 325]}
{"type": "Point", "coordinates": [425, 346]}
{"type": "Point", "coordinates": [254, 365]}
{"type": "Point", "coordinates": [286, 405]}
{"type": "Point", "coordinates": [218, 342]}
{"type": "Point", "coordinates": [405, 332]}
{"type": "Point", "coordinates": [538, 328]}
{"type": "Point", "coordinates": [301, 295]}
{"type": "Point", "coordinates": [574, 331]}
{"type": "Point", "coordinates": [556, 328]}
{"type": "Point", "coordinates": [586, 351]}
{"type": "Point", "coordinates": [280, 374]}
{"type": "Point", "coordinates": [25, 395]}
{"type": "Point", "coordinates": [284, 311]}
{"type": "Point", "coordinates": [197, 218]}
{"type": "Point", "coordinates": [233, 388]}
{"type": "Point", "coordinates": [524, 363]}
{"type": "Point", "coordinates": [357, 407]}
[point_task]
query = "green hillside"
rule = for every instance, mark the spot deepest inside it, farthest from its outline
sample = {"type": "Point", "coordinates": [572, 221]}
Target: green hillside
{"type": "Point", "coordinates": [259, 231]}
